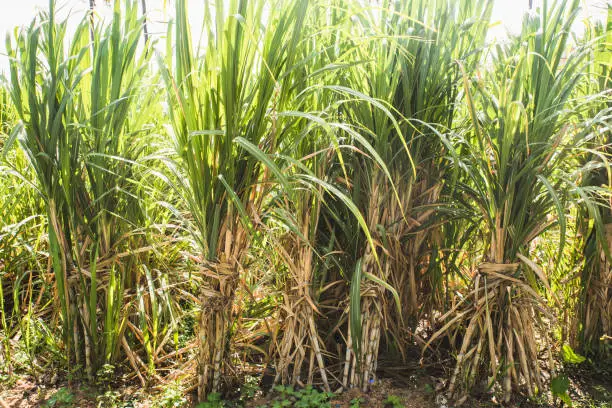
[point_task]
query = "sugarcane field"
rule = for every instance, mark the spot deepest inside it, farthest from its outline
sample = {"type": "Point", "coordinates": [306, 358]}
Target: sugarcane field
{"type": "Point", "coordinates": [306, 203]}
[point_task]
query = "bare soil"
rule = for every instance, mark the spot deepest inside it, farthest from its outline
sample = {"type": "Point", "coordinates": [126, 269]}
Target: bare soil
{"type": "Point", "coordinates": [414, 386]}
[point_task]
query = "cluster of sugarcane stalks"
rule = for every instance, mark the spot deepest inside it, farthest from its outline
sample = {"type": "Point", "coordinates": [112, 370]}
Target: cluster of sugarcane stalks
{"type": "Point", "coordinates": [300, 344]}
{"type": "Point", "coordinates": [361, 359]}
{"type": "Point", "coordinates": [397, 263]}
{"type": "Point", "coordinates": [216, 317]}
{"type": "Point", "coordinates": [502, 316]}
{"type": "Point", "coordinates": [596, 305]}
{"type": "Point", "coordinates": [365, 316]}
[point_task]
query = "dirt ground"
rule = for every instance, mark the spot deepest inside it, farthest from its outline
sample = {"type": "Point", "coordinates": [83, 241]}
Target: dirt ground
{"type": "Point", "coordinates": [414, 387]}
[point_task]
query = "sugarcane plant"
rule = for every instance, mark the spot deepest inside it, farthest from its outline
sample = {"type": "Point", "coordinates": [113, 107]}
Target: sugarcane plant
{"type": "Point", "coordinates": [595, 301]}
{"type": "Point", "coordinates": [411, 54]}
{"type": "Point", "coordinates": [223, 102]}
{"type": "Point", "coordinates": [517, 178]}
{"type": "Point", "coordinates": [300, 351]}
{"type": "Point", "coordinates": [299, 354]}
{"type": "Point", "coordinates": [75, 98]}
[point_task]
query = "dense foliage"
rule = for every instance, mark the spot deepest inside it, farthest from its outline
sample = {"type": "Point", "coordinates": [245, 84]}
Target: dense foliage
{"type": "Point", "coordinates": [314, 184]}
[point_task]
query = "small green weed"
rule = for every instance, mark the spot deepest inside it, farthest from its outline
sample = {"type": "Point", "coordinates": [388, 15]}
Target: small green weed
{"type": "Point", "coordinates": [559, 386]}
{"type": "Point", "coordinates": [303, 398]}
{"type": "Point", "coordinates": [110, 399]}
{"type": "Point", "coordinates": [61, 398]}
{"type": "Point", "coordinates": [105, 375]}
{"type": "Point", "coordinates": [570, 356]}
{"type": "Point", "coordinates": [393, 401]}
{"type": "Point", "coordinates": [213, 400]}
{"type": "Point", "coordinates": [171, 397]}
{"type": "Point", "coordinates": [356, 402]}
{"type": "Point", "coordinates": [250, 389]}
